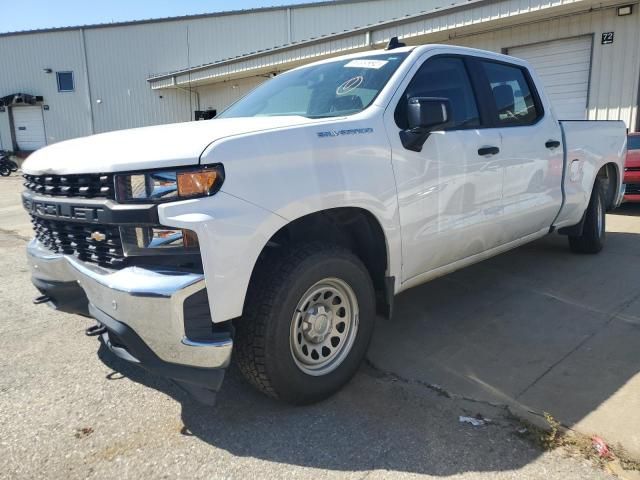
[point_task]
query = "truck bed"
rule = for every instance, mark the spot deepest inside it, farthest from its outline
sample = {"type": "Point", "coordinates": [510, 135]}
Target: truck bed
{"type": "Point", "coordinates": [588, 145]}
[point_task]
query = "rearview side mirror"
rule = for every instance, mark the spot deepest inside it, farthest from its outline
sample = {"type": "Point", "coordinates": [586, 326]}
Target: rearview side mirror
{"type": "Point", "coordinates": [424, 115]}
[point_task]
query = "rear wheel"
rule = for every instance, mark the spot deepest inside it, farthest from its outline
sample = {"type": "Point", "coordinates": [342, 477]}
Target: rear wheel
{"type": "Point", "coordinates": [594, 229]}
{"type": "Point", "coordinates": [307, 323]}
{"type": "Point", "coordinates": [5, 171]}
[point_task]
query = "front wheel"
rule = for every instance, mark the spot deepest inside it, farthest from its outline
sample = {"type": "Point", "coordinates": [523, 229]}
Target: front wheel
{"type": "Point", "coordinates": [307, 324]}
{"type": "Point", "coordinates": [5, 171]}
{"type": "Point", "coordinates": [593, 232]}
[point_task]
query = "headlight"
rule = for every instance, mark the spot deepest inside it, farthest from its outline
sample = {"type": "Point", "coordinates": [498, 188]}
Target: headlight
{"type": "Point", "coordinates": [137, 241]}
{"type": "Point", "coordinates": [168, 185]}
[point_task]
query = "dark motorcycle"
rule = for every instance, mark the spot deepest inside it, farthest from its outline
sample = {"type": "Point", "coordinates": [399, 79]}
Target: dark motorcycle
{"type": "Point", "coordinates": [6, 164]}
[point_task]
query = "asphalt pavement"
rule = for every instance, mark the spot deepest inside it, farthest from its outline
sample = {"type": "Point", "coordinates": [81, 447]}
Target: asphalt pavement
{"type": "Point", "coordinates": [70, 409]}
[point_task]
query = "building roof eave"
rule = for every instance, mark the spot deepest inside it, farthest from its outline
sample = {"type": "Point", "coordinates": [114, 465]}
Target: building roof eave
{"type": "Point", "coordinates": [464, 4]}
{"type": "Point", "coordinates": [436, 25]}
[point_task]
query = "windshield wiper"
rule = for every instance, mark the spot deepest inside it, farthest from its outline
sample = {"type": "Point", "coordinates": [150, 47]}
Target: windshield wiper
{"type": "Point", "coordinates": [334, 114]}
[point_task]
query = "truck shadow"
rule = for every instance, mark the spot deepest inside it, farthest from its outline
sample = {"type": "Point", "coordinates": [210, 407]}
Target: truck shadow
{"type": "Point", "coordinates": [373, 423]}
{"type": "Point", "coordinates": [537, 326]}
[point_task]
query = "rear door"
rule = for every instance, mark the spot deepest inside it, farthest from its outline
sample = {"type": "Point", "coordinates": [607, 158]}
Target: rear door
{"type": "Point", "coordinates": [531, 152]}
{"type": "Point", "coordinates": [450, 192]}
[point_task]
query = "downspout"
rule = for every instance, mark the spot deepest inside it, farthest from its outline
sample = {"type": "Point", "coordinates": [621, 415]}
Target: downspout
{"type": "Point", "coordinates": [191, 92]}
{"type": "Point", "coordinates": [87, 82]}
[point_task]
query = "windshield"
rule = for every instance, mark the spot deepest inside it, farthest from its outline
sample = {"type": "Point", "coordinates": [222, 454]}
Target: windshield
{"type": "Point", "coordinates": [326, 90]}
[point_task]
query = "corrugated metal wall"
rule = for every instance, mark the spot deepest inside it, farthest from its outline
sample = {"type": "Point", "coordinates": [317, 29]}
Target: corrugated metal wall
{"type": "Point", "coordinates": [22, 64]}
{"type": "Point", "coordinates": [615, 68]}
{"type": "Point", "coordinates": [314, 21]}
{"type": "Point", "coordinates": [121, 58]}
{"type": "Point", "coordinates": [119, 61]}
{"type": "Point", "coordinates": [221, 95]}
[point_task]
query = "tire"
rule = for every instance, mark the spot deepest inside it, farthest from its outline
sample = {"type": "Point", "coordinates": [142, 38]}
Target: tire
{"type": "Point", "coordinates": [13, 166]}
{"type": "Point", "coordinates": [5, 171]}
{"type": "Point", "coordinates": [594, 228]}
{"type": "Point", "coordinates": [282, 317]}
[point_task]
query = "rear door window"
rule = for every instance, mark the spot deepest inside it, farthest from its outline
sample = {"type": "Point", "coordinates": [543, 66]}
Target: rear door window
{"type": "Point", "coordinates": [513, 98]}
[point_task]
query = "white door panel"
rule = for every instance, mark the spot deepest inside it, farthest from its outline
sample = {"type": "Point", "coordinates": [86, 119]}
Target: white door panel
{"type": "Point", "coordinates": [532, 177]}
{"type": "Point", "coordinates": [563, 66]}
{"type": "Point", "coordinates": [28, 127]}
{"type": "Point", "coordinates": [449, 198]}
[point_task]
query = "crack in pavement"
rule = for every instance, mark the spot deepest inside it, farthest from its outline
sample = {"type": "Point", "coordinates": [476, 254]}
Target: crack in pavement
{"type": "Point", "coordinates": [15, 234]}
{"type": "Point", "coordinates": [611, 318]}
{"type": "Point", "coordinates": [434, 388]}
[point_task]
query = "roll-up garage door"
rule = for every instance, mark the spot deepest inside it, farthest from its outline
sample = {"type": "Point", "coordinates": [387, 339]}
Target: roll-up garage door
{"type": "Point", "coordinates": [564, 67]}
{"type": "Point", "coordinates": [28, 126]}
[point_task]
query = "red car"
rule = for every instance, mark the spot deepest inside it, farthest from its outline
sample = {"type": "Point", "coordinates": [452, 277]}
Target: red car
{"type": "Point", "coordinates": [632, 168]}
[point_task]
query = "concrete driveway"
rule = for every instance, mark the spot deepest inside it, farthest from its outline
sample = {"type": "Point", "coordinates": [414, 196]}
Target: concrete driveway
{"type": "Point", "coordinates": [537, 327]}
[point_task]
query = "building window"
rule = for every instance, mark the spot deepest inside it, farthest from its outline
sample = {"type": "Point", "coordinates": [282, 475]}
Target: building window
{"type": "Point", "coordinates": [65, 81]}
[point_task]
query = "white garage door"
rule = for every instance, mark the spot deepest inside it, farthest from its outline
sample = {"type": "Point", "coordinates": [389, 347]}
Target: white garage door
{"type": "Point", "coordinates": [564, 67]}
{"type": "Point", "coordinates": [28, 126]}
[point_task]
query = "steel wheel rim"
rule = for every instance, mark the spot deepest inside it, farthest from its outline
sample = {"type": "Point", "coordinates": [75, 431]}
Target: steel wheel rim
{"type": "Point", "coordinates": [324, 326]}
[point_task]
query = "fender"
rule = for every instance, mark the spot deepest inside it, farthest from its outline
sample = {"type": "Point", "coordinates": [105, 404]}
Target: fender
{"type": "Point", "coordinates": [297, 171]}
{"type": "Point", "coordinates": [225, 223]}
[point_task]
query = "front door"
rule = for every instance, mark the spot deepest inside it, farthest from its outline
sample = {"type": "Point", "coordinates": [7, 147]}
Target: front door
{"type": "Point", "coordinates": [450, 193]}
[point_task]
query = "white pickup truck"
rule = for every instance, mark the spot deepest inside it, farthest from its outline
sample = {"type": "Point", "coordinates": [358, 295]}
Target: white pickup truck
{"type": "Point", "coordinates": [284, 227]}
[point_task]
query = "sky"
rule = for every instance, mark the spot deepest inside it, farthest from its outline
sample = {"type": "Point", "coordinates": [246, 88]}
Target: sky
{"type": "Point", "coordinates": [16, 15]}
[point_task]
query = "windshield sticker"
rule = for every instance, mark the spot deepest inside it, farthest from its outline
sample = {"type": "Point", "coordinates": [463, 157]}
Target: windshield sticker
{"type": "Point", "coordinates": [375, 64]}
{"type": "Point", "coordinates": [350, 85]}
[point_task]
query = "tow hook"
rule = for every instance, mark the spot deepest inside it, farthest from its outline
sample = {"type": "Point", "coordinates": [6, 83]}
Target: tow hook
{"type": "Point", "coordinates": [95, 330]}
{"type": "Point", "coordinates": [41, 299]}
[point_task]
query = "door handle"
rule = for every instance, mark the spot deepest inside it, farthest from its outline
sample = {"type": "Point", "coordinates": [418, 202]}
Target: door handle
{"type": "Point", "coordinates": [552, 144]}
{"type": "Point", "coordinates": [488, 151]}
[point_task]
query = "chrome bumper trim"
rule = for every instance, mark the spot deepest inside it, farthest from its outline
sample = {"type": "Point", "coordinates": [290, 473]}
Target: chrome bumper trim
{"type": "Point", "coordinates": [150, 301]}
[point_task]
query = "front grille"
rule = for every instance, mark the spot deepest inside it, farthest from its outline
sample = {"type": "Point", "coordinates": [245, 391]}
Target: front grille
{"type": "Point", "coordinates": [82, 186]}
{"type": "Point", "coordinates": [75, 239]}
{"type": "Point", "coordinates": [632, 189]}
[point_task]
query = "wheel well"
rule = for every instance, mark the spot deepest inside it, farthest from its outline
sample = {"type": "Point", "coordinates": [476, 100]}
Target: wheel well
{"type": "Point", "coordinates": [608, 174]}
{"type": "Point", "coordinates": [353, 228]}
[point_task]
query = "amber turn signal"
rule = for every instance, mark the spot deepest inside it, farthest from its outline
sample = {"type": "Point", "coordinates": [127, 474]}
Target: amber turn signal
{"type": "Point", "coordinates": [196, 184]}
{"type": "Point", "coordinates": [189, 238]}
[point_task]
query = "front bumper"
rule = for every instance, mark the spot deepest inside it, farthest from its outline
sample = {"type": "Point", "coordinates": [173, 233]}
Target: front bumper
{"type": "Point", "coordinates": [143, 311]}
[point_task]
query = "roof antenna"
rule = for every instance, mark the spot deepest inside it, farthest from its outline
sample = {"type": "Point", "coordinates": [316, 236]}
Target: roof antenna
{"type": "Point", "coordinates": [395, 43]}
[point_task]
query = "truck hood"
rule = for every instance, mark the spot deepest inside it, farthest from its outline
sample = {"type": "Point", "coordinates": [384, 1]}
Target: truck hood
{"type": "Point", "coordinates": [173, 145]}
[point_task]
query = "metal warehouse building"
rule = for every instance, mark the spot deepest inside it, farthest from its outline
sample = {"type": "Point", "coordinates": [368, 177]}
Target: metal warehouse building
{"type": "Point", "coordinates": [63, 83]}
